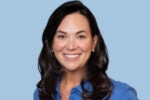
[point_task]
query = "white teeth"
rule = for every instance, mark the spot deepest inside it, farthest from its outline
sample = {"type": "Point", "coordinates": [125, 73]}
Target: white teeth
{"type": "Point", "coordinates": [71, 56]}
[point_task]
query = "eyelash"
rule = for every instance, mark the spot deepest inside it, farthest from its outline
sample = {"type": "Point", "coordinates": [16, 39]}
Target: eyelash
{"type": "Point", "coordinates": [81, 37]}
{"type": "Point", "coordinates": [61, 36]}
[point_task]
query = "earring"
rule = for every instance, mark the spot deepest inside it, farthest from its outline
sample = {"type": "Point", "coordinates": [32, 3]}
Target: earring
{"type": "Point", "coordinates": [52, 50]}
{"type": "Point", "coordinates": [93, 50]}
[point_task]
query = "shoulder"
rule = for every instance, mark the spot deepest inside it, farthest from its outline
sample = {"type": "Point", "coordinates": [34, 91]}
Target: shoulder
{"type": "Point", "coordinates": [123, 91]}
{"type": "Point", "coordinates": [36, 94]}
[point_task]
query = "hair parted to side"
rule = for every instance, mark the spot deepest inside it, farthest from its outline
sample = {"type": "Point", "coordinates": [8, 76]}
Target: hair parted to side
{"type": "Point", "coordinates": [97, 65]}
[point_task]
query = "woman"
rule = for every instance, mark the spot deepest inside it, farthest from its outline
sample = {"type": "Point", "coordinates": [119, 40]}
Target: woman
{"type": "Point", "coordinates": [74, 59]}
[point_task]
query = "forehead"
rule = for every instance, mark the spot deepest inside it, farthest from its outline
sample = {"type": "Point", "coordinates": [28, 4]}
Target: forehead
{"type": "Point", "coordinates": [73, 23]}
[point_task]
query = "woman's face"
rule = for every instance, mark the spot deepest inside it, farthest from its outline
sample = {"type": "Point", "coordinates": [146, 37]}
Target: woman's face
{"type": "Point", "coordinates": [73, 43]}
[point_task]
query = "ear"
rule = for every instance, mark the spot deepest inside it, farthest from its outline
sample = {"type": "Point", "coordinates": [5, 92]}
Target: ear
{"type": "Point", "coordinates": [95, 39]}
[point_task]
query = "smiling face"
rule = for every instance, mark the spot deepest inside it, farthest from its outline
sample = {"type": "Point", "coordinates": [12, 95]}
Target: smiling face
{"type": "Point", "coordinates": [73, 42]}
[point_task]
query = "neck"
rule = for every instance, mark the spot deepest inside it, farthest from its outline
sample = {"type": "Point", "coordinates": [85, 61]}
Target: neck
{"type": "Point", "coordinates": [68, 81]}
{"type": "Point", "coordinates": [72, 79]}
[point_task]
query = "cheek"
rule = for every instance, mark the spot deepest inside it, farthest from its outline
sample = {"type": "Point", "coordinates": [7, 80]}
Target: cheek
{"type": "Point", "coordinates": [58, 46]}
{"type": "Point", "coordinates": [87, 46]}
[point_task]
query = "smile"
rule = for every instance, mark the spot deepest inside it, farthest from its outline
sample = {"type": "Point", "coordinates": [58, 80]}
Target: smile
{"type": "Point", "coordinates": [72, 56]}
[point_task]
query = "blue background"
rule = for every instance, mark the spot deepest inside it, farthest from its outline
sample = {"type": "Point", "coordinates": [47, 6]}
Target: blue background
{"type": "Point", "coordinates": [125, 26]}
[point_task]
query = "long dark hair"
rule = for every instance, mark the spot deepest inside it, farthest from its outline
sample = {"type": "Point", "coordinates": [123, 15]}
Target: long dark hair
{"type": "Point", "coordinates": [97, 65]}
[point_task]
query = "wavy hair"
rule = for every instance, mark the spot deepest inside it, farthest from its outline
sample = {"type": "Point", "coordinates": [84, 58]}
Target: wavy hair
{"type": "Point", "coordinates": [97, 65]}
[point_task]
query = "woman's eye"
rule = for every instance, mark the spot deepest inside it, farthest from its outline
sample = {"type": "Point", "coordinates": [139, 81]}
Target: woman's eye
{"type": "Point", "coordinates": [61, 36]}
{"type": "Point", "coordinates": [81, 37]}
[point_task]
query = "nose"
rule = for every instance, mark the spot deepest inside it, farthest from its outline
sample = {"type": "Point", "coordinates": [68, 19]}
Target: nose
{"type": "Point", "coordinates": [72, 44]}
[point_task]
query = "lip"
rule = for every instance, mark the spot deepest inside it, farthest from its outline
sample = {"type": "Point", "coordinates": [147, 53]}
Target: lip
{"type": "Point", "coordinates": [72, 57]}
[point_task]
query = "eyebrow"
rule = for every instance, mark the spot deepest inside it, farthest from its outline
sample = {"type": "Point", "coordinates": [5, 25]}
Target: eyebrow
{"type": "Point", "coordinates": [79, 32]}
{"type": "Point", "coordinates": [59, 31]}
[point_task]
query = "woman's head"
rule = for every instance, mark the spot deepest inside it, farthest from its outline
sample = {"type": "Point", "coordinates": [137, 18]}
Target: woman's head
{"type": "Point", "coordinates": [70, 8]}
